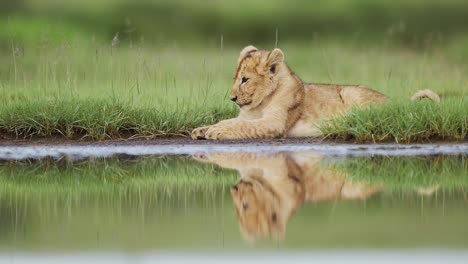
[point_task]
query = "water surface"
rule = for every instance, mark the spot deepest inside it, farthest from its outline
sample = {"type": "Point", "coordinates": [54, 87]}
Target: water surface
{"type": "Point", "coordinates": [232, 202]}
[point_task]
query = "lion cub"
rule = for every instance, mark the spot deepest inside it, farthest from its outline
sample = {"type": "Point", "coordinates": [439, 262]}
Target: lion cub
{"type": "Point", "coordinates": [274, 102]}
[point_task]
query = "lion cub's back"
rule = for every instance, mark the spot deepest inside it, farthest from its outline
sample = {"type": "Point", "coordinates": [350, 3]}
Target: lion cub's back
{"type": "Point", "coordinates": [344, 95]}
{"type": "Point", "coordinates": [325, 101]}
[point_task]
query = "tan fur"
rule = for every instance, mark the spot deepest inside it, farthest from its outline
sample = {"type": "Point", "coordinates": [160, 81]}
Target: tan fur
{"type": "Point", "coordinates": [272, 187]}
{"type": "Point", "coordinates": [274, 102]}
{"type": "Point", "coordinates": [426, 93]}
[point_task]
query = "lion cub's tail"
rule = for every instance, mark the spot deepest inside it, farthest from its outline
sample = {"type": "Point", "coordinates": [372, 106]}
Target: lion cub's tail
{"type": "Point", "coordinates": [426, 93]}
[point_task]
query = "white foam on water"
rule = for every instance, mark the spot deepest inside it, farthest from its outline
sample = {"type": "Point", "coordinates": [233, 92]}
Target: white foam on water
{"type": "Point", "coordinates": [77, 152]}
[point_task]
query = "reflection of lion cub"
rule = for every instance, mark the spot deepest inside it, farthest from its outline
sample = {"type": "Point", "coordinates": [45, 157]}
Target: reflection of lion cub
{"type": "Point", "coordinates": [274, 102]}
{"type": "Point", "coordinates": [272, 187]}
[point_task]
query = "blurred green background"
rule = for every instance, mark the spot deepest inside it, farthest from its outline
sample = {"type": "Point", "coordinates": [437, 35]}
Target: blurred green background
{"type": "Point", "coordinates": [413, 23]}
{"type": "Point", "coordinates": [178, 57]}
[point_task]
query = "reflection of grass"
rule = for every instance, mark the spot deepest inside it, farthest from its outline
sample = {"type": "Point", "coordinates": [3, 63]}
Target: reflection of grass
{"type": "Point", "coordinates": [390, 220]}
{"type": "Point", "coordinates": [128, 203]}
{"type": "Point", "coordinates": [409, 173]}
{"type": "Point", "coordinates": [167, 203]}
{"type": "Point", "coordinates": [168, 174]}
{"type": "Point", "coordinates": [105, 178]}
{"type": "Point", "coordinates": [403, 122]}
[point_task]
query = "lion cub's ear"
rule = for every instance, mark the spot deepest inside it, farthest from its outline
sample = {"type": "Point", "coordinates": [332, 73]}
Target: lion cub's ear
{"type": "Point", "coordinates": [246, 51]}
{"type": "Point", "coordinates": [275, 57]}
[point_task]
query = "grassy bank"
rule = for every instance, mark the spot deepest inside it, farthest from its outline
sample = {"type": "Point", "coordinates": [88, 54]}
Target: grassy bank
{"type": "Point", "coordinates": [107, 92]}
{"type": "Point", "coordinates": [100, 120]}
{"type": "Point", "coordinates": [66, 74]}
{"type": "Point", "coordinates": [403, 122]}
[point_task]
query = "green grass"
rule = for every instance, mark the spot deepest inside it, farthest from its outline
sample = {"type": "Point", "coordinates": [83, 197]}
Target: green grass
{"type": "Point", "coordinates": [403, 122]}
{"type": "Point", "coordinates": [61, 76]}
{"type": "Point", "coordinates": [99, 120]}
{"type": "Point", "coordinates": [140, 91]}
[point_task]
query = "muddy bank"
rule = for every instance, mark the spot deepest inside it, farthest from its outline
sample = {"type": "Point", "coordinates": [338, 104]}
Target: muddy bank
{"type": "Point", "coordinates": [111, 149]}
{"type": "Point", "coordinates": [181, 140]}
{"type": "Point", "coordinates": [164, 141]}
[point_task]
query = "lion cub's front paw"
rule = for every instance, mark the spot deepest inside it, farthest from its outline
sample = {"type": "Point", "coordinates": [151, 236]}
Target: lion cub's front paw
{"type": "Point", "coordinates": [218, 133]}
{"type": "Point", "coordinates": [199, 133]}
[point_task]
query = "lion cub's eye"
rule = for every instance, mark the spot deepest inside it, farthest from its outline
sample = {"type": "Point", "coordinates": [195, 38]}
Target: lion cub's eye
{"type": "Point", "coordinates": [273, 68]}
{"type": "Point", "coordinates": [244, 80]}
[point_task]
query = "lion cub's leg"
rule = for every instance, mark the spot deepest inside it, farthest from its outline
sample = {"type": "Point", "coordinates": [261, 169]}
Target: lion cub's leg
{"type": "Point", "coordinates": [246, 129]}
{"type": "Point", "coordinates": [199, 133]}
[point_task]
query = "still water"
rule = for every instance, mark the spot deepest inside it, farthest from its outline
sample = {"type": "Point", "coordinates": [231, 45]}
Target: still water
{"type": "Point", "coordinates": [249, 202]}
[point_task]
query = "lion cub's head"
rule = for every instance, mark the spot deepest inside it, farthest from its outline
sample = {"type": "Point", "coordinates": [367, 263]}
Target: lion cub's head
{"type": "Point", "coordinates": [258, 209]}
{"type": "Point", "coordinates": [257, 76]}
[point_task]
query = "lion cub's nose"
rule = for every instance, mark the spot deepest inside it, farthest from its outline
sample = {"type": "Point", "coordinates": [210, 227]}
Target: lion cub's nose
{"type": "Point", "coordinates": [233, 98]}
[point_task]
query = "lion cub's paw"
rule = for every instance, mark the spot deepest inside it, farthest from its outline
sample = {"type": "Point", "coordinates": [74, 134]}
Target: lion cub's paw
{"type": "Point", "coordinates": [218, 133]}
{"type": "Point", "coordinates": [199, 133]}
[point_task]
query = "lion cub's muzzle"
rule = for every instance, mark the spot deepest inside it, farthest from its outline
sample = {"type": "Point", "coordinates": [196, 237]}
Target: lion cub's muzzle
{"type": "Point", "coordinates": [241, 104]}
